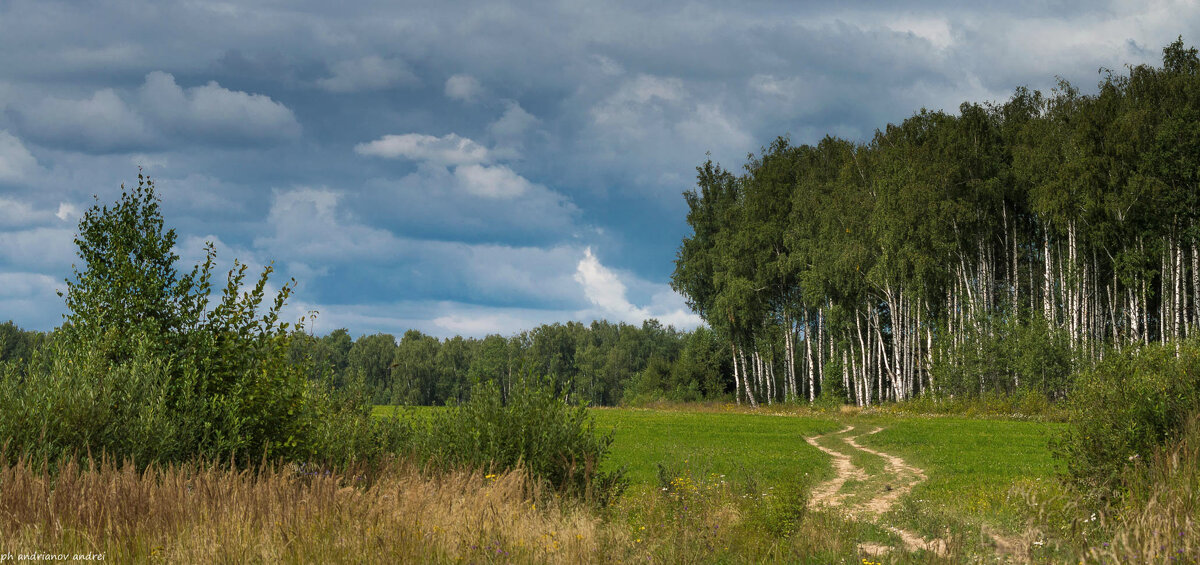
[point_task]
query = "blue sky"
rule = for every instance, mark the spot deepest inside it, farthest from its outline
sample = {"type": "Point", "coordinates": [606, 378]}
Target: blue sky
{"type": "Point", "coordinates": [474, 168]}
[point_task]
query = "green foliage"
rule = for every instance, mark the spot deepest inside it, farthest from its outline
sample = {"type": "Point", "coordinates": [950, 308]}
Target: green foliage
{"type": "Point", "coordinates": [601, 363]}
{"type": "Point", "coordinates": [1004, 356]}
{"type": "Point", "coordinates": [146, 369]}
{"type": "Point", "coordinates": [535, 429]}
{"type": "Point", "coordinates": [1131, 403]}
{"type": "Point", "coordinates": [1024, 236]}
{"type": "Point", "coordinates": [783, 511]}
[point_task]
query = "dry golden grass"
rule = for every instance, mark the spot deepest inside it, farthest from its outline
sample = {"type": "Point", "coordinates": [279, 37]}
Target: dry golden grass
{"type": "Point", "coordinates": [392, 514]}
{"type": "Point", "coordinates": [206, 514]}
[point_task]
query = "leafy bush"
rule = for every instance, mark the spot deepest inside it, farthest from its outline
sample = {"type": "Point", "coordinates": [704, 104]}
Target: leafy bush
{"type": "Point", "coordinates": [1125, 407]}
{"type": "Point", "coordinates": [1157, 521]}
{"type": "Point", "coordinates": [535, 429]}
{"type": "Point", "coordinates": [146, 369]}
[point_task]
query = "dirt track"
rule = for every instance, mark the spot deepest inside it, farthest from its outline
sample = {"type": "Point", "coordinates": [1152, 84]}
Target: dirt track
{"type": "Point", "coordinates": [878, 493]}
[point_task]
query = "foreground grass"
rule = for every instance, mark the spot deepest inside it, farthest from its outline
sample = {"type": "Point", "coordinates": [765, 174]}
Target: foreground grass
{"type": "Point", "coordinates": [710, 485]}
{"type": "Point", "coordinates": [396, 514]}
{"type": "Point", "coordinates": [206, 514]}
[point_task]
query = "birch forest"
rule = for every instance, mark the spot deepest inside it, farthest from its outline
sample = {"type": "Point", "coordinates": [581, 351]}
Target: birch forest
{"type": "Point", "coordinates": [984, 252]}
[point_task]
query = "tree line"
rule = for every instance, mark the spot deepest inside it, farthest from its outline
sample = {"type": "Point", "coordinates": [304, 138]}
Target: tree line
{"type": "Point", "coordinates": [989, 251]}
{"type": "Point", "coordinates": [601, 363]}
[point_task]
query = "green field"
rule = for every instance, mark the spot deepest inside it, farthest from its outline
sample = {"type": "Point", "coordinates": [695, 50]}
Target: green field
{"type": "Point", "coordinates": [971, 464]}
{"type": "Point", "coordinates": [970, 498]}
{"type": "Point", "coordinates": [766, 447]}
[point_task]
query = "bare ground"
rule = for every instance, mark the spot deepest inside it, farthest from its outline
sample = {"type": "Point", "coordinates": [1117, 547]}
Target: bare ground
{"type": "Point", "coordinates": [900, 478]}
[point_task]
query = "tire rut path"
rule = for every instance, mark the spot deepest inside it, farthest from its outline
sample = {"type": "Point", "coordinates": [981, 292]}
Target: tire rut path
{"type": "Point", "coordinates": [898, 478]}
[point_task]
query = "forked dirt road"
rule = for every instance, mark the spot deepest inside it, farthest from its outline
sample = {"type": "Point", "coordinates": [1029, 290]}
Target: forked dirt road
{"type": "Point", "coordinates": [877, 494]}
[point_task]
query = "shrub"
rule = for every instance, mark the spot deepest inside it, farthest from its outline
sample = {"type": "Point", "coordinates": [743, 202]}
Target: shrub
{"type": "Point", "coordinates": [535, 429]}
{"type": "Point", "coordinates": [1157, 519]}
{"type": "Point", "coordinates": [1126, 406]}
{"type": "Point", "coordinates": [145, 369]}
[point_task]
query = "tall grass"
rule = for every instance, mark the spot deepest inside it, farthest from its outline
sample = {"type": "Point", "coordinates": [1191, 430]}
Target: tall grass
{"type": "Point", "coordinates": [396, 513]}
{"type": "Point", "coordinates": [1159, 518]}
{"type": "Point", "coordinates": [207, 513]}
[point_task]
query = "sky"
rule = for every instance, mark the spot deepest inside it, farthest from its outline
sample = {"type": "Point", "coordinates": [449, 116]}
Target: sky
{"type": "Point", "coordinates": [475, 168]}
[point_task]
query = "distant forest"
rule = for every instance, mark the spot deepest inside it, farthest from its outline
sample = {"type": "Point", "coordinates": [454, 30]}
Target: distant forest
{"type": "Point", "coordinates": [996, 251]}
{"type": "Point", "coordinates": [599, 364]}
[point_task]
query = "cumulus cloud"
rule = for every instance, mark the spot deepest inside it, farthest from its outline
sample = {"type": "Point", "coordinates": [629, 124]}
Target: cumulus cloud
{"type": "Point", "coordinates": [657, 127]}
{"type": "Point", "coordinates": [449, 149]}
{"type": "Point", "coordinates": [215, 112]}
{"type": "Point", "coordinates": [159, 112]}
{"type": "Point", "coordinates": [471, 202]}
{"type": "Point", "coordinates": [101, 123]}
{"type": "Point", "coordinates": [514, 122]}
{"type": "Point", "coordinates": [67, 212]}
{"type": "Point", "coordinates": [497, 182]}
{"type": "Point", "coordinates": [457, 187]}
{"type": "Point", "coordinates": [15, 213]}
{"type": "Point", "coordinates": [307, 225]}
{"type": "Point", "coordinates": [607, 293]}
{"type": "Point", "coordinates": [511, 129]}
{"type": "Point", "coordinates": [368, 73]}
{"type": "Point", "coordinates": [16, 162]}
{"type": "Point", "coordinates": [605, 290]}
{"type": "Point", "coordinates": [464, 88]}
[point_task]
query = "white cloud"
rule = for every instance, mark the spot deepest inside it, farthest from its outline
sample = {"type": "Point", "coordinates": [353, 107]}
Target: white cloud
{"type": "Point", "coordinates": [449, 149]}
{"type": "Point", "coordinates": [477, 321]}
{"type": "Point", "coordinates": [368, 73]}
{"type": "Point", "coordinates": [656, 129]}
{"type": "Point", "coordinates": [497, 182]}
{"type": "Point", "coordinates": [464, 88]}
{"type": "Point", "coordinates": [607, 293]}
{"type": "Point", "coordinates": [13, 285]}
{"type": "Point", "coordinates": [440, 318]}
{"type": "Point", "coordinates": [472, 201]}
{"type": "Point", "coordinates": [510, 130]}
{"type": "Point", "coordinates": [626, 106]}
{"type": "Point", "coordinates": [67, 212]}
{"type": "Point", "coordinates": [709, 121]}
{"type": "Point", "coordinates": [157, 113]}
{"type": "Point", "coordinates": [513, 123]}
{"type": "Point", "coordinates": [16, 162]}
{"type": "Point", "coordinates": [307, 225]}
{"type": "Point", "coordinates": [604, 290]}
{"type": "Point", "coordinates": [148, 161]}
{"type": "Point", "coordinates": [215, 112]}
{"type": "Point", "coordinates": [20, 214]}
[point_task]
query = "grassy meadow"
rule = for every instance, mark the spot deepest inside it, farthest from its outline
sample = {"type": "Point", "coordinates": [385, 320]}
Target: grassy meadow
{"type": "Point", "coordinates": [707, 484]}
{"type": "Point", "coordinates": [740, 466]}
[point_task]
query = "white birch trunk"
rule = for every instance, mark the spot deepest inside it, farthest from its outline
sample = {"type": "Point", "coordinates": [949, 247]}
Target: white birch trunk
{"type": "Point", "coordinates": [737, 383]}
